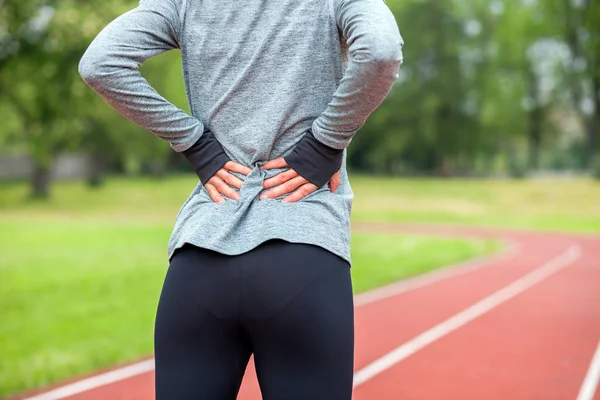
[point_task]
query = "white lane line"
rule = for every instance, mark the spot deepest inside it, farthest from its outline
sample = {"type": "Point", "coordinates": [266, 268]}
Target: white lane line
{"type": "Point", "coordinates": [467, 315]}
{"type": "Point", "coordinates": [362, 299]}
{"type": "Point", "coordinates": [434, 276]}
{"type": "Point", "coordinates": [96, 381]}
{"type": "Point", "coordinates": [590, 383]}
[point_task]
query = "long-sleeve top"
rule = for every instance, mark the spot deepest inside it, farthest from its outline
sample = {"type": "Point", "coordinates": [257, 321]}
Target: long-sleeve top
{"type": "Point", "coordinates": [258, 75]}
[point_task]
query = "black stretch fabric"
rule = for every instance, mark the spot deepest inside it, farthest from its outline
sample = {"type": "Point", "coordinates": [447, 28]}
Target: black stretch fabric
{"type": "Point", "coordinates": [289, 304]}
{"type": "Point", "coordinates": [206, 156]}
{"type": "Point", "coordinates": [314, 161]}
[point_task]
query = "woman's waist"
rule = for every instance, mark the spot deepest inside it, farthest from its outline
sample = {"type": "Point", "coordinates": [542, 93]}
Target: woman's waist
{"type": "Point", "coordinates": [321, 212]}
{"type": "Point", "coordinates": [321, 201]}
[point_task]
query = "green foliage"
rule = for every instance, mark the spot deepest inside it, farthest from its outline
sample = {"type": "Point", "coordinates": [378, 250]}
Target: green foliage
{"type": "Point", "coordinates": [479, 77]}
{"type": "Point", "coordinates": [55, 111]}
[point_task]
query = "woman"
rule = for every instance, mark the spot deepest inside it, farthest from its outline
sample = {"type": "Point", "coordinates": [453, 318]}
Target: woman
{"type": "Point", "coordinates": [260, 252]}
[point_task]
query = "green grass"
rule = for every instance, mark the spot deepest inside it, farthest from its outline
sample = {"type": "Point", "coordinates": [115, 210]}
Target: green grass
{"type": "Point", "coordinates": [75, 296]}
{"type": "Point", "coordinates": [552, 205]}
{"type": "Point", "coordinates": [379, 259]}
{"type": "Point", "coordinates": [80, 275]}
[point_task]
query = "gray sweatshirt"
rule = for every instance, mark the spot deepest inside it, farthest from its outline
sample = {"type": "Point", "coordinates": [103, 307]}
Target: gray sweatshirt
{"type": "Point", "coordinates": [258, 75]}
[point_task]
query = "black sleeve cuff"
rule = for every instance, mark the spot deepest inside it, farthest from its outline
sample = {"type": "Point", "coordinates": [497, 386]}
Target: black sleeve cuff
{"type": "Point", "coordinates": [314, 161]}
{"type": "Point", "coordinates": [206, 156]}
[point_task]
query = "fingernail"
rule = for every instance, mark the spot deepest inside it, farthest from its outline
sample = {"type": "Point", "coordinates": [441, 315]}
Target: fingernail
{"type": "Point", "coordinates": [263, 197]}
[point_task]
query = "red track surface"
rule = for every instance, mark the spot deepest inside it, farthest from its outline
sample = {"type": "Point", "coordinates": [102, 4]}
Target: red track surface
{"type": "Point", "coordinates": [535, 345]}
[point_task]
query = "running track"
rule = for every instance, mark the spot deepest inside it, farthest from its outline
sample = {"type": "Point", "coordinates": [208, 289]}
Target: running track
{"type": "Point", "coordinates": [523, 324]}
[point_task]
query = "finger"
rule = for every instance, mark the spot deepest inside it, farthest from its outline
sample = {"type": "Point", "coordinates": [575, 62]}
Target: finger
{"type": "Point", "coordinates": [224, 188]}
{"type": "Point", "coordinates": [230, 179]}
{"type": "Point", "coordinates": [287, 187]}
{"type": "Point", "coordinates": [279, 179]}
{"type": "Point", "coordinates": [235, 167]}
{"type": "Point", "coordinates": [300, 193]}
{"type": "Point", "coordinates": [277, 163]}
{"type": "Point", "coordinates": [334, 182]}
{"type": "Point", "coordinates": [214, 193]}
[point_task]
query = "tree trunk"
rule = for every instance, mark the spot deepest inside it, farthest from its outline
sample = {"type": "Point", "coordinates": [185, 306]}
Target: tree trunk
{"type": "Point", "coordinates": [176, 162]}
{"type": "Point", "coordinates": [593, 125]}
{"type": "Point", "coordinates": [155, 168]}
{"type": "Point", "coordinates": [96, 170]}
{"type": "Point", "coordinates": [40, 182]}
{"type": "Point", "coordinates": [534, 136]}
{"type": "Point", "coordinates": [574, 19]}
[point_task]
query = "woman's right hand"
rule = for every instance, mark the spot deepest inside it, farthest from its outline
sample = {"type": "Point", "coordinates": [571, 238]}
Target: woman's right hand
{"type": "Point", "coordinates": [219, 184]}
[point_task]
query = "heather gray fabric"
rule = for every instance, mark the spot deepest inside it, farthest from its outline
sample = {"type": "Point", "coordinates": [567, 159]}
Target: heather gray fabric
{"type": "Point", "coordinates": [258, 75]}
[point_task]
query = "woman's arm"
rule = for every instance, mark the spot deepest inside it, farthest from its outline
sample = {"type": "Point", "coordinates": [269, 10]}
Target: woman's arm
{"type": "Point", "coordinates": [110, 66]}
{"type": "Point", "coordinates": [375, 46]}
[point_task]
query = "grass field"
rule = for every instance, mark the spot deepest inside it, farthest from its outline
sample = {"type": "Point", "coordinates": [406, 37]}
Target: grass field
{"type": "Point", "coordinates": [557, 205]}
{"type": "Point", "coordinates": [80, 275]}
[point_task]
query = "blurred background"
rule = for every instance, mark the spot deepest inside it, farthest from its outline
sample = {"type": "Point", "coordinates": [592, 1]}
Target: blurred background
{"type": "Point", "coordinates": [494, 121]}
{"type": "Point", "coordinates": [488, 88]}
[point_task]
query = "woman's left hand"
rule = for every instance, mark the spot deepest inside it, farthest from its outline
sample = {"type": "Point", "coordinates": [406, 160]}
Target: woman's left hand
{"type": "Point", "coordinates": [291, 182]}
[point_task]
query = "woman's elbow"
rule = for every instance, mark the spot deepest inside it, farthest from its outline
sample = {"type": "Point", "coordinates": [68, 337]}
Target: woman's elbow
{"type": "Point", "coordinates": [89, 68]}
{"type": "Point", "coordinates": [388, 52]}
{"type": "Point", "coordinates": [384, 61]}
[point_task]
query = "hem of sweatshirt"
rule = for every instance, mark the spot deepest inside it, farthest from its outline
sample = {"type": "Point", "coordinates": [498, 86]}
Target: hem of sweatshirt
{"type": "Point", "coordinates": [251, 246]}
{"type": "Point", "coordinates": [236, 227]}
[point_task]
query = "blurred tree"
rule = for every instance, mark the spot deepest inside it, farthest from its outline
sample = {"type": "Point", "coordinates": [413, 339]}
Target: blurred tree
{"type": "Point", "coordinates": [522, 36]}
{"type": "Point", "coordinates": [39, 48]}
{"type": "Point", "coordinates": [430, 123]}
{"type": "Point", "coordinates": [484, 84]}
{"type": "Point", "coordinates": [39, 53]}
{"type": "Point", "coordinates": [39, 86]}
{"type": "Point", "coordinates": [478, 84]}
{"type": "Point", "coordinates": [581, 29]}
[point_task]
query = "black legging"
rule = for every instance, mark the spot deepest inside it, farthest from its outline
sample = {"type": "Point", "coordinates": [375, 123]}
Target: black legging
{"type": "Point", "coordinates": [289, 304]}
